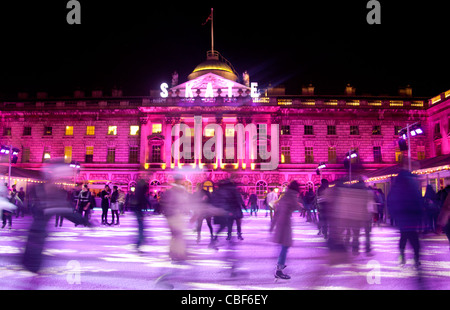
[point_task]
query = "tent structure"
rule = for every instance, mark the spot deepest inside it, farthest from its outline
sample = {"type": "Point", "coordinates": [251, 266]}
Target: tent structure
{"type": "Point", "coordinates": [20, 173]}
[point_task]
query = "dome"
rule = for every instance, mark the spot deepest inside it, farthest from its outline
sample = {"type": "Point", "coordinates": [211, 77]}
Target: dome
{"type": "Point", "coordinates": [216, 66]}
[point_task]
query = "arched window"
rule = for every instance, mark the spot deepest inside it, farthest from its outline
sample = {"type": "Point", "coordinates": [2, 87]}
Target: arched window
{"type": "Point", "coordinates": [155, 186]}
{"type": "Point", "coordinates": [261, 189]}
{"type": "Point", "coordinates": [309, 185]}
{"type": "Point", "coordinates": [208, 186]}
{"type": "Point", "coordinates": [132, 186]}
{"type": "Point", "coordinates": [155, 183]}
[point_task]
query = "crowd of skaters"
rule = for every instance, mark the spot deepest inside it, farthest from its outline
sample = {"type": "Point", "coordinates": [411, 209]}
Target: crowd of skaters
{"type": "Point", "coordinates": [341, 212]}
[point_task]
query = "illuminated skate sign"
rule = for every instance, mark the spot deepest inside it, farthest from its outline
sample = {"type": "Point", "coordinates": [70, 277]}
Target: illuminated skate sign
{"type": "Point", "coordinates": [210, 85]}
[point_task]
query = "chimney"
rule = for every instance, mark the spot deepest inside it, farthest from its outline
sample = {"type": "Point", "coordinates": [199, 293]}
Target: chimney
{"type": "Point", "coordinates": [97, 93]}
{"type": "Point", "coordinates": [41, 95]}
{"type": "Point", "coordinates": [405, 91]}
{"type": "Point", "coordinates": [22, 95]}
{"type": "Point", "coordinates": [349, 90]}
{"type": "Point", "coordinates": [308, 90]}
{"type": "Point", "coordinates": [78, 94]}
{"type": "Point", "coordinates": [116, 92]}
{"type": "Point", "coordinates": [279, 90]}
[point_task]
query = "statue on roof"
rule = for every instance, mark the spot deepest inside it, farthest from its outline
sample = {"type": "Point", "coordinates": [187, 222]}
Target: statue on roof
{"type": "Point", "coordinates": [174, 79]}
{"type": "Point", "coordinates": [246, 78]}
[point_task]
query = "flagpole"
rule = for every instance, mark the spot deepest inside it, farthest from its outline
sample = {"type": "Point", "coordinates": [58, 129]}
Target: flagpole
{"type": "Point", "coordinates": [212, 31]}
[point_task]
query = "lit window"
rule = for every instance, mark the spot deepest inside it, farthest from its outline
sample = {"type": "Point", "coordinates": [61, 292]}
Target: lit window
{"type": "Point", "coordinates": [89, 158]}
{"type": "Point", "coordinates": [261, 189]}
{"type": "Point", "coordinates": [46, 156]}
{"type": "Point", "coordinates": [90, 130]}
{"type": "Point", "coordinates": [376, 130]}
{"type": "Point", "coordinates": [67, 154]}
{"type": "Point", "coordinates": [209, 132]}
{"type": "Point", "coordinates": [134, 130]}
{"type": "Point", "coordinates": [285, 154]}
{"type": "Point", "coordinates": [89, 150]}
{"type": "Point", "coordinates": [285, 130]}
{"type": "Point", "coordinates": [112, 130]}
{"type": "Point", "coordinates": [398, 155]}
{"type": "Point", "coordinates": [229, 132]}
{"type": "Point", "coordinates": [156, 128]}
{"type": "Point", "coordinates": [69, 130]}
{"type": "Point", "coordinates": [331, 155]}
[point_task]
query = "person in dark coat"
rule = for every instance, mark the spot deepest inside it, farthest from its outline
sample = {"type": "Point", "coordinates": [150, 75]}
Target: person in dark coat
{"type": "Point", "coordinates": [202, 199]}
{"type": "Point", "coordinates": [431, 206]}
{"type": "Point", "coordinates": [281, 224]}
{"type": "Point", "coordinates": [138, 201]}
{"type": "Point", "coordinates": [404, 203]}
{"type": "Point", "coordinates": [84, 202]}
{"type": "Point", "coordinates": [443, 223]}
{"type": "Point", "coordinates": [228, 198]}
{"type": "Point", "coordinates": [253, 203]}
{"type": "Point", "coordinates": [309, 200]}
{"type": "Point", "coordinates": [322, 206]}
{"type": "Point", "coordinates": [105, 196]}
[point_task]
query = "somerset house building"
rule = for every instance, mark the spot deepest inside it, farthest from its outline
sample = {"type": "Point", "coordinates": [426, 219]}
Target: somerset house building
{"type": "Point", "coordinates": [121, 139]}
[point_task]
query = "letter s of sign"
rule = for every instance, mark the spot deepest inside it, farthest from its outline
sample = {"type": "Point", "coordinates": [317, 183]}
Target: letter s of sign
{"type": "Point", "coordinates": [74, 16]}
{"type": "Point", "coordinates": [374, 16]}
{"type": "Point", "coordinates": [164, 93]}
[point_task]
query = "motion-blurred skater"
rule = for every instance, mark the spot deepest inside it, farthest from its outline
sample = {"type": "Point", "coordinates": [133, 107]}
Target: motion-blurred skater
{"type": "Point", "coordinates": [201, 200]}
{"type": "Point", "coordinates": [281, 223]}
{"type": "Point", "coordinates": [404, 203]}
{"type": "Point", "coordinates": [137, 202]}
{"type": "Point", "coordinates": [50, 200]}
{"type": "Point", "coordinates": [174, 204]}
{"type": "Point", "coordinates": [228, 198]}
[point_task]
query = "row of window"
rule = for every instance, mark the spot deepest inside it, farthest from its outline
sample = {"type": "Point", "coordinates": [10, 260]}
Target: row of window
{"type": "Point", "coordinates": [157, 129]}
{"type": "Point", "coordinates": [90, 131]}
{"type": "Point", "coordinates": [285, 155]}
{"type": "Point", "coordinates": [331, 130]}
{"type": "Point", "coordinates": [133, 155]}
{"type": "Point", "coordinates": [332, 159]}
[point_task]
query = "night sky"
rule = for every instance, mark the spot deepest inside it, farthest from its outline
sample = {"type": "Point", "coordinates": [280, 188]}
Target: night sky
{"type": "Point", "coordinates": [136, 45]}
